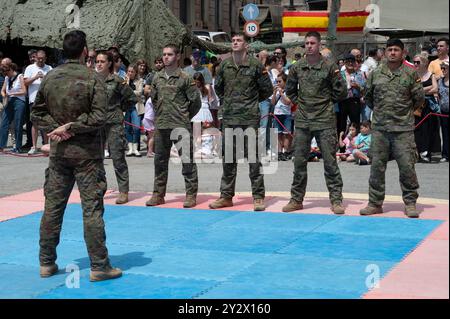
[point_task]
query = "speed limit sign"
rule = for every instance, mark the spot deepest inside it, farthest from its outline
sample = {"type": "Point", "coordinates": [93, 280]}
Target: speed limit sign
{"type": "Point", "coordinates": [251, 29]}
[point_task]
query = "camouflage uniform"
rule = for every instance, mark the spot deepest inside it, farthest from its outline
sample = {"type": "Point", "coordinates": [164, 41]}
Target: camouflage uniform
{"type": "Point", "coordinates": [73, 93]}
{"type": "Point", "coordinates": [393, 96]}
{"type": "Point", "coordinates": [240, 89]}
{"type": "Point", "coordinates": [315, 89]}
{"type": "Point", "coordinates": [176, 101]}
{"type": "Point", "coordinates": [120, 98]}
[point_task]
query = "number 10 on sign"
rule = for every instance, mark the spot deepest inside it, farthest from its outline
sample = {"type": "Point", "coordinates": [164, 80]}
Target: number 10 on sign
{"type": "Point", "coordinates": [251, 29]}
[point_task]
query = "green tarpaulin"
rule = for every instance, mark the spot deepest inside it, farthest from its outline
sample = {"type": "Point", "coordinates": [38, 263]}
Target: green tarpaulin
{"type": "Point", "coordinates": [139, 27]}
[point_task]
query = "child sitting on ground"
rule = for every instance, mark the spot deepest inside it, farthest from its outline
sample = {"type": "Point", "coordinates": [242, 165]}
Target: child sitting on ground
{"type": "Point", "coordinates": [348, 144]}
{"type": "Point", "coordinates": [362, 144]}
{"type": "Point", "coordinates": [315, 154]}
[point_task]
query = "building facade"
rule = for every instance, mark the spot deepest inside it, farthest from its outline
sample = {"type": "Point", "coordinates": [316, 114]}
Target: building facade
{"type": "Point", "coordinates": [211, 15]}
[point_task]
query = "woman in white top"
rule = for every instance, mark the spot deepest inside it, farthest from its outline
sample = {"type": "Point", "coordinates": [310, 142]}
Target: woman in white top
{"type": "Point", "coordinates": [14, 96]}
{"type": "Point", "coordinates": [206, 141]}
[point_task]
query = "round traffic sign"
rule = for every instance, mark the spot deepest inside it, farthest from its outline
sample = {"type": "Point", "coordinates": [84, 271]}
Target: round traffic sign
{"type": "Point", "coordinates": [251, 29]}
{"type": "Point", "coordinates": [250, 12]}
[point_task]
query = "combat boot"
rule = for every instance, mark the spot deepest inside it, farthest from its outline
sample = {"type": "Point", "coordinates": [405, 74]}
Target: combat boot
{"type": "Point", "coordinates": [293, 205]}
{"type": "Point", "coordinates": [338, 208]}
{"type": "Point", "coordinates": [155, 201]}
{"type": "Point", "coordinates": [258, 205]}
{"type": "Point", "coordinates": [411, 211]}
{"type": "Point", "coordinates": [123, 199]}
{"type": "Point", "coordinates": [110, 273]}
{"type": "Point", "coordinates": [221, 203]}
{"type": "Point", "coordinates": [371, 210]}
{"type": "Point", "coordinates": [191, 201]}
{"type": "Point", "coordinates": [48, 271]}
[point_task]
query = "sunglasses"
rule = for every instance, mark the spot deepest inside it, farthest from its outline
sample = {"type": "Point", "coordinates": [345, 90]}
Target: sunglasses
{"type": "Point", "coordinates": [416, 62]}
{"type": "Point", "coordinates": [444, 69]}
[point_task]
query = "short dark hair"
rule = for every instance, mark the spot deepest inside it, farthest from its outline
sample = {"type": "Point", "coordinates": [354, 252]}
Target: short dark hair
{"type": "Point", "coordinates": [314, 34]}
{"type": "Point", "coordinates": [74, 44]}
{"type": "Point", "coordinates": [373, 52]}
{"type": "Point", "coordinates": [31, 52]}
{"type": "Point", "coordinates": [282, 49]}
{"type": "Point", "coordinates": [271, 59]}
{"type": "Point", "coordinates": [159, 59]}
{"type": "Point", "coordinates": [367, 124]}
{"type": "Point", "coordinates": [172, 46]}
{"type": "Point", "coordinates": [109, 57]}
{"type": "Point", "coordinates": [283, 76]}
{"type": "Point", "coordinates": [115, 55]}
{"type": "Point", "coordinates": [442, 39]}
{"type": "Point", "coordinates": [187, 62]}
{"type": "Point", "coordinates": [240, 34]}
{"type": "Point", "coordinates": [395, 42]}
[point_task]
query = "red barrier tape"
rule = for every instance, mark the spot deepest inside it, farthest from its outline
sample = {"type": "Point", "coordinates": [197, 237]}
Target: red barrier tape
{"type": "Point", "coordinates": [428, 115]}
{"type": "Point", "coordinates": [22, 155]}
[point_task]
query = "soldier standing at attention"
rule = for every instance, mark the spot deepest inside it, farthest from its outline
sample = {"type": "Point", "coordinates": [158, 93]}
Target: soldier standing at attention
{"type": "Point", "coordinates": [394, 91]}
{"type": "Point", "coordinates": [176, 101]}
{"type": "Point", "coordinates": [241, 83]}
{"type": "Point", "coordinates": [120, 98]}
{"type": "Point", "coordinates": [71, 106]}
{"type": "Point", "coordinates": [315, 84]}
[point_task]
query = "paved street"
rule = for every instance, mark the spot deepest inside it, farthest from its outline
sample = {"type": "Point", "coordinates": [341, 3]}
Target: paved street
{"type": "Point", "coordinates": [27, 174]}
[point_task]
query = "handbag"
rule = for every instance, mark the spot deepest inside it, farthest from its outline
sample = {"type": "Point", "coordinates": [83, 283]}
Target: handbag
{"type": "Point", "coordinates": [433, 104]}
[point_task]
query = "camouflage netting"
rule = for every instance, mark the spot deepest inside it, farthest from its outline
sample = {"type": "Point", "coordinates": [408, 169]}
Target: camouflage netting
{"type": "Point", "coordinates": [140, 27]}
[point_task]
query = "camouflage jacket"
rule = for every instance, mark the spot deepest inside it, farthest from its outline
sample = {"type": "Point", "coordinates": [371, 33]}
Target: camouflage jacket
{"type": "Point", "coordinates": [240, 89]}
{"type": "Point", "coordinates": [394, 96]}
{"type": "Point", "coordinates": [176, 100]}
{"type": "Point", "coordinates": [120, 98]}
{"type": "Point", "coordinates": [315, 89]}
{"type": "Point", "coordinates": [73, 93]}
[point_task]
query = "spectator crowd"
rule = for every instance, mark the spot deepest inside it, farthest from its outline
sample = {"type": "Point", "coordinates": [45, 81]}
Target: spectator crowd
{"type": "Point", "coordinates": [353, 116]}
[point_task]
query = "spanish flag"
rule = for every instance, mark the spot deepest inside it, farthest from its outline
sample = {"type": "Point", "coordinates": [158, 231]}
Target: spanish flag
{"type": "Point", "coordinates": [304, 21]}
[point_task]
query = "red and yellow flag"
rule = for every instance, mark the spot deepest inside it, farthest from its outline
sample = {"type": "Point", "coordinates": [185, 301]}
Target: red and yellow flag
{"type": "Point", "coordinates": [304, 21]}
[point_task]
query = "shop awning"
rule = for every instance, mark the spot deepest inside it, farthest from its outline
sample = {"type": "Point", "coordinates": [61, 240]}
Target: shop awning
{"type": "Point", "coordinates": [304, 21]}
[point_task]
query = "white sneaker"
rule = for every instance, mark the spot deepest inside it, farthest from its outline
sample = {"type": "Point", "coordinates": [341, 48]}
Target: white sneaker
{"type": "Point", "coordinates": [32, 151]}
{"type": "Point", "coordinates": [106, 154]}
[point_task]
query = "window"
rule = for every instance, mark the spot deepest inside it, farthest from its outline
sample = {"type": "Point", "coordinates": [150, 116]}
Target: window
{"type": "Point", "coordinates": [219, 15]}
{"type": "Point", "coordinates": [186, 12]}
{"type": "Point", "coordinates": [317, 5]}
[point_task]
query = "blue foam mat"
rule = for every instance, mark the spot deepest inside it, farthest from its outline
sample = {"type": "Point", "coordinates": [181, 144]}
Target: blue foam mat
{"type": "Point", "coordinates": [174, 253]}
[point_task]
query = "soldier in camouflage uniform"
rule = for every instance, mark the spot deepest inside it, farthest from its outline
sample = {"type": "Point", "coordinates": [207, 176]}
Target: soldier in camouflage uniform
{"type": "Point", "coordinates": [241, 83]}
{"type": "Point", "coordinates": [176, 100]}
{"type": "Point", "coordinates": [315, 84]}
{"type": "Point", "coordinates": [394, 91]}
{"type": "Point", "coordinates": [71, 106]}
{"type": "Point", "coordinates": [120, 98]}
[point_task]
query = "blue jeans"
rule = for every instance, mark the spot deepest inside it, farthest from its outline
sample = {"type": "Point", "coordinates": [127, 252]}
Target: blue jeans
{"type": "Point", "coordinates": [264, 108]}
{"type": "Point", "coordinates": [14, 110]}
{"type": "Point", "coordinates": [132, 133]}
{"type": "Point", "coordinates": [366, 112]}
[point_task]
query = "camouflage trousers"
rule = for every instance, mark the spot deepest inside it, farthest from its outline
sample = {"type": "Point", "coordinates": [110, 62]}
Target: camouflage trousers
{"type": "Point", "coordinates": [327, 142]}
{"type": "Point", "coordinates": [403, 148]}
{"type": "Point", "coordinates": [60, 177]}
{"type": "Point", "coordinates": [228, 182]}
{"type": "Point", "coordinates": [115, 134]}
{"type": "Point", "coordinates": [163, 145]}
